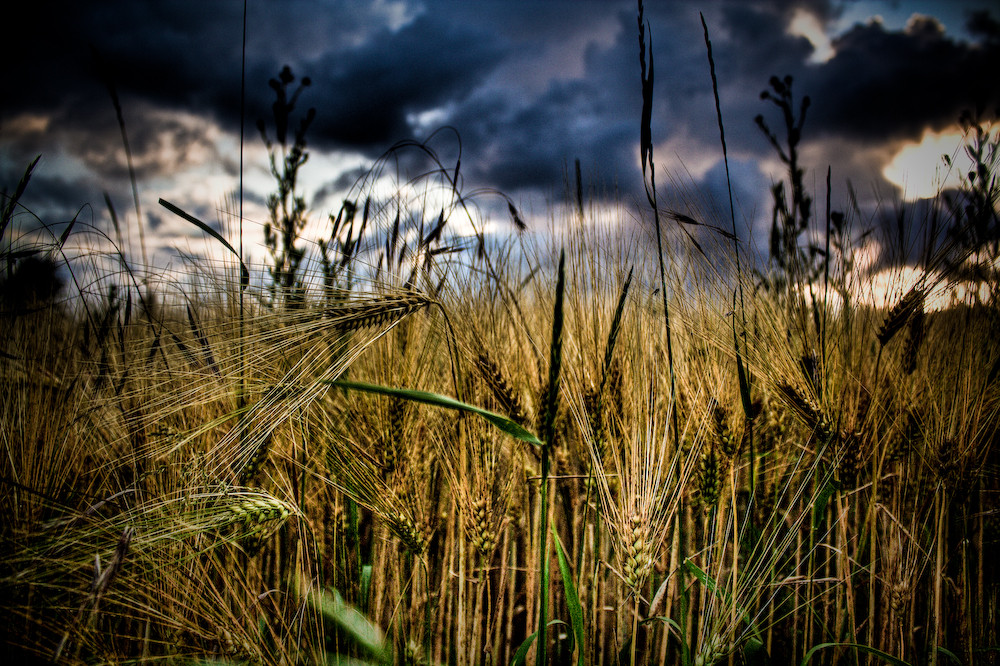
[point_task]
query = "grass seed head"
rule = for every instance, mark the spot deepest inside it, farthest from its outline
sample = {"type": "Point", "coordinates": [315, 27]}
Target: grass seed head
{"type": "Point", "coordinates": [899, 314]}
{"type": "Point", "coordinates": [710, 477]}
{"type": "Point", "coordinates": [851, 458]}
{"type": "Point", "coordinates": [809, 412]}
{"type": "Point", "coordinates": [413, 538]}
{"type": "Point", "coordinates": [914, 338]}
{"type": "Point", "coordinates": [375, 312]}
{"type": "Point", "coordinates": [724, 437]}
{"type": "Point", "coordinates": [479, 528]}
{"type": "Point", "coordinates": [638, 552]}
{"type": "Point", "coordinates": [500, 386]}
{"type": "Point", "coordinates": [256, 461]}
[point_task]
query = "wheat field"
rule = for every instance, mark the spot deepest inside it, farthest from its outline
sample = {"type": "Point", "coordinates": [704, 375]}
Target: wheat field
{"type": "Point", "coordinates": [635, 441]}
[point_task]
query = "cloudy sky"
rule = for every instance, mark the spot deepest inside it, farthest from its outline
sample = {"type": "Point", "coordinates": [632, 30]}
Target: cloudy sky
{"type": "Point", "coordinates": [530, 86]}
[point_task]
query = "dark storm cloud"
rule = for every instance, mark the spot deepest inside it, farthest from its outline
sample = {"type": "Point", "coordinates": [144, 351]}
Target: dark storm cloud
{"type": "Point", "coordinates": [527, 140]}
{"type": "Point", "coordinates": [187, 56]}
{"type": "Point", "coordinates": [885, 84]}
{"type": "Point", "coordinates": [162, 52]}
{"type": "Point", "coordinates": [344, 182]}
{"type": "Point", "coordinates": [363, 96]}
{"type": "Point", "coordinates": [62, 195]}
{"type": "Point", "coordinates": [370, 67]}
{"type": "Point", "coordinates": [522, 141]}
{"type": "Point", "coordinates": [528, 145]}
{"type": "Point", "coordinates": [529, 86]}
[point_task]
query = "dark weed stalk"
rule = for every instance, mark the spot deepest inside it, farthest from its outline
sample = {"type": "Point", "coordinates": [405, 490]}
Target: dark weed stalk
{"type": "Point", "coordinates": [744, 377]}
{"type": "Point", "coordinates": [646, 152]}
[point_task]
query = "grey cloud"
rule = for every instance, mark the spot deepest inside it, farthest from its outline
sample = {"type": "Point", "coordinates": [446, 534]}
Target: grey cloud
{"type": "Point", "coordinates": [892, 84]}
{"type": "Point", "coordinates": [363, 96]}
{"type": "Point", "coordinates": [369, 72]}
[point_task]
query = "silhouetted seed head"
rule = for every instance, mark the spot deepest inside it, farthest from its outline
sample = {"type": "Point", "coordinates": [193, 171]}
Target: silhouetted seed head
{"type": "Point", "coordinates": [595, 417]}
{"type": "Point", "coordinates": [909, 439]}
{"type": "Point", "coordinates": [616, 402]}
{"type": "Point", "coordinates": [102, 581]}
{"type": "Point", "coordinates": [764, 505]}
{"type": "Point", "coordinates": [914, 338]}
{"type": "Point", "coordinates": [748, 432]}
{"type": "Point", "coordinates": [809, 364]}
{"type": "Point", "coordinates": [802, 407]}
{"type": "Point", "coordinates": [851, 458]}
{"type": "Point", "coordinates": [393, 442]}
{"type": "Point", "coordinates": [899, 314]}
{"type": "Point", "coordinates": [898, 596]}
{"type": "Point", "coordinates": [949, 462]}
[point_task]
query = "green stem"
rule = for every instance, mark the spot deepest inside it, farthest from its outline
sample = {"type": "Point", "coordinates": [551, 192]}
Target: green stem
{"type": "Point", "coordinates": [635, 630]}
{"type": "Point", "coordinates": [551, 405]}
{"type": "Point", "coordinates": [685, 645]}
{"type": "Point", "coordinates": [353, 563]}
{"type": "Point", "coordinates": [543, 601]}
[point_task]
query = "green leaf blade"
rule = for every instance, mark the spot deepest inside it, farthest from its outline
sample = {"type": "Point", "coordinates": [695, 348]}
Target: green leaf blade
{"type": "Point", "coordinates": [572, 598]}
{"type": "Point", "coordinates": [502, 422]}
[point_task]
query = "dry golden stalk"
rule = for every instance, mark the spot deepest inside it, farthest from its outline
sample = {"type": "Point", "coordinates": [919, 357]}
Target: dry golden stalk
{"type": "Point", "coordinates": [615, 391]}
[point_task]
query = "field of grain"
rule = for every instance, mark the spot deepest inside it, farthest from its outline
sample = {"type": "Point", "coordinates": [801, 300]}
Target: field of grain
{"type": "Point", "coordinates": [600, 443]}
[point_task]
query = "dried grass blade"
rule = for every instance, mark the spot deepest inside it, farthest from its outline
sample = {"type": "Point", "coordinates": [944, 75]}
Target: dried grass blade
{"type": "Point", "coordinates": [8, 210]}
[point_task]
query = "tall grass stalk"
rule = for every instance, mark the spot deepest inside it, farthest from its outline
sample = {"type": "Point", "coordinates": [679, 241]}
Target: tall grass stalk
{"type": "Point", "coordinates": [550, 406]}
